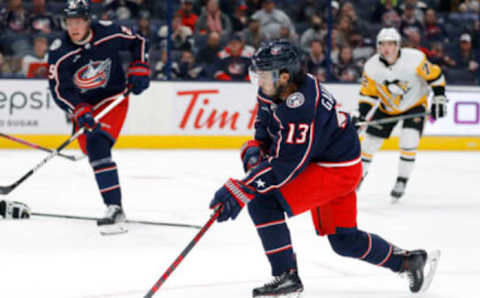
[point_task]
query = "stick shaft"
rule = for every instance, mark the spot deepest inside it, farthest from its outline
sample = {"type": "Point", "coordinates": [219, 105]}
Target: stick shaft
{"type": "Point", "coordinates": [4, 190]}
{"type": "Point", "coordinates": [391, 119]}
{"type": "Point", "coordinates": [183, 254]}
{"type": "Point", "coordinates": [35, 146]}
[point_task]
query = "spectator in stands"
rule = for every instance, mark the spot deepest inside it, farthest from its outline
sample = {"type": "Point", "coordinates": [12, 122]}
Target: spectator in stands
{"type": "Point", "coordinates": [382, 7]}
{"type": "Point", "coordinates": [145, 27]}
{"type": "Point", "coordinates": [287, 34]}
{"type": "Point", "coordinates": [391, 19]}
{"type": "Point", "coordinates": [463, 17]}
{"type": "Point", "coordinates": [346, 69]}
{"type": "Point", "coordinates": [433, 31]}
{"type": "Point", "coordinates": [344, 29]}
{"type": "Point", "coordinates": [239, 18]}
{"type": "Point", "coordinates": [208, 55]}
{"type": "Point", "coordinates": [307, 9]}
{"type": "Point", "coordinates": [314, 32]}
{"type": "Point", "coordinates": [272, 19]}
{"type": "Point", "coordinates": [419, 8]}
{"type": "Point", "coordinates": [36, 65]}
{"type": "Point", "coordinates": [4, 67]}
{"type": "Point", "coordinates": [123, 9]}
{"type": "Point", "coordinates": [348, 10]}
{"type": "Point", "coordinates": [16, 17]}
{"type": "Point", "coordinates": [414, 41]}
{"type": "Point", "coordinates": [189, 18]}
{"type": "Point", "coordinates": [160, 71]}
{"type": "Point", "coordinates": [465, 58]}
{"type": "Point", "coordinates": [182, 36]}
{"type": "Point", "coordinates": [439, 57]}
{"type": "Point", "coordinates": [234, 61]}
{"type": "Point", "coordinates": [317, 61]}
{"type": "Point", "coordinates": [189, 69]}
{"type": "Point", "coordinates": [361, 51]}
{"type": "Point", "coordinates": [252, 35]}
{"type": "Point", "coordinates": [410, 21]}
{"type": "Point", "coordinates": [213, 20]}
{"type": "Point", "coordinates": [40, 20]}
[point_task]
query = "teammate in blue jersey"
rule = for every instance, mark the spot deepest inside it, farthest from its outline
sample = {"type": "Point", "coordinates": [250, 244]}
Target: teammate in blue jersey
{"type": "Point", "coordinates": [305, 157]}
{"type": "Point", "coordinates": [85, 75]}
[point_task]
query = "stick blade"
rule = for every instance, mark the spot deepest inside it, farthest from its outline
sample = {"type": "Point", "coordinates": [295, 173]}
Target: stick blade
{"type": "Point", "coordinates": [5, 190]}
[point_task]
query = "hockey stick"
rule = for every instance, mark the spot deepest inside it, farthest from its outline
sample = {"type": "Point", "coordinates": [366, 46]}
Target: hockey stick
{"type": "Point", "coordinates": [4, 190]}
{"type": "Point", "coordinates": [143, 222]}
{"type": "Point", "coordinates": [183, 254]}
{"type": "Point", "coordinates": [35, 146]}
{"type": "Point", "coordinates": [391, 119]}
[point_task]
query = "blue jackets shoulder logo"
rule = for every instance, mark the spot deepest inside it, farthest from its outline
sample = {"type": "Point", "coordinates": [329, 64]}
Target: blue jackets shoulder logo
{"type": "Point", "coordinates": [93, 75]}
{"type": "Point", "coordinates": [295, 100]}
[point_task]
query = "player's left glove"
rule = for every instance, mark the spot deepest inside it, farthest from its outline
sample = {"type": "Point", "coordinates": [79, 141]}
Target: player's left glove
{"type": "Point", "coordinates": [138, 76]}
{"type": "Point", "coordinates": [438, 108]}
{"type": "Point", "coordinates": [14, 209]}
{"type": "Point", "coordinates": [232, 196]}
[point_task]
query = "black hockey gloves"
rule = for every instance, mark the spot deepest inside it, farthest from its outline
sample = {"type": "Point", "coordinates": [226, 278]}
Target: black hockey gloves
{"type": "Point", "coordinates": [232, 196]}
{"type": "Point", "coordinates": [139, 76]}
{"type": "Point", "coordinates": [14, 209]}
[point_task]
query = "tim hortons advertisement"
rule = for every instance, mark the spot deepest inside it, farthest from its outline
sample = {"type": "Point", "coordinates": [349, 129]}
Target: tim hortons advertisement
{"type": "Point", "coordinates": [26, 107]}
{"type": "Point", "coordinates": [209, 109]}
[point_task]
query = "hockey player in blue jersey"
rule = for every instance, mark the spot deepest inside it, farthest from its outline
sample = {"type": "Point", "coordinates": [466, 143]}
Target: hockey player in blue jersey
{"type": "Point", "coordinates": [85, 75]}
{"type": "Point", "coordinates": [305, 156]}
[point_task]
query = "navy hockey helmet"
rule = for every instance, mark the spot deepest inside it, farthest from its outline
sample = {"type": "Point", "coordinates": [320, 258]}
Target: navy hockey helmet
{"type": "Point", "coordinates": [277, 57]}
{"type": "Point", "coordinates": [77, 8]}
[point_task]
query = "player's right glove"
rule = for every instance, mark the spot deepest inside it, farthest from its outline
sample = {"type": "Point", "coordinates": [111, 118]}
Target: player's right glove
{"type": "Point", "coordinates": [14, 209]}
{"type": "Point", "coordinates": [232, 197]}
{"type": "Point", "coordinates": [439, 106]}
{"type": "Point", "coordinates": [83, 117]}
{"type": "Point", "coordinates": [139, 76]}
{"type": "Point", "coordinates": [251, 154]}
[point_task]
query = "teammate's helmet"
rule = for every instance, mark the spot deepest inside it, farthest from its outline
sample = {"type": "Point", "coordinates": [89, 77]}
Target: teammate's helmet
{"type": "Point", "coordinates": [77, 8]}
{"type": "Point", "coordinates": [388, 34]}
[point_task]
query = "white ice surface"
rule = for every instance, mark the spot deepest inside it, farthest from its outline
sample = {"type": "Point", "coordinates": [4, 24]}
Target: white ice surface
{"type": "Point", "coordinates": [45, 257]}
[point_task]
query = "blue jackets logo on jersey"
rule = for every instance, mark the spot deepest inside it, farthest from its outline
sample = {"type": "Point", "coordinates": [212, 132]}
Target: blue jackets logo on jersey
{"type": "Point", "coordinates": [295, 100]}
{"type": "Point", "coordinates": [93, 75]}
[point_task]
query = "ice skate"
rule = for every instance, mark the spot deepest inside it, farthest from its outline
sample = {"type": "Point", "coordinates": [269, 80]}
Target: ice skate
{"type": "Point", "coordinates": [113, 221]}
{"type": "Point", "coordinates": [420, 268]}
{"type": "Point", "coordinates": [398, 189]}
{"type": "Point", "coordinates": [288, 284]}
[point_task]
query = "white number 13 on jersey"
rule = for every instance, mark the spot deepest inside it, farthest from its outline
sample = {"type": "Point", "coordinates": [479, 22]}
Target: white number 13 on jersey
{"type": "Point", "coordinates": [302, 133]}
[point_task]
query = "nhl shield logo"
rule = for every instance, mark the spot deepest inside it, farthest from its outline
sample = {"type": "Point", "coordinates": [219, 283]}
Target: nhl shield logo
{"type": "Point", "coordinates": [295, 100]}
{"type": "Point", "coordinates": [275, 51]}
{"type": "Point", "coordinates": [93, 75]}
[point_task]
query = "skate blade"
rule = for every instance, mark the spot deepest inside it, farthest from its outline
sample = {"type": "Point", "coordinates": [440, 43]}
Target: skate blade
{"type": "Point", "coordinates": [433, 258]}
{"type": "Point", "coordinates": [395, 199]}
{"type": "Point", "coordinates": [298, 294]}
{"type": "Point", "coordinates": [115, 229]}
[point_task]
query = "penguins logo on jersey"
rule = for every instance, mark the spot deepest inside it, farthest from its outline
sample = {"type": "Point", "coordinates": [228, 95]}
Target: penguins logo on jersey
{"type": "Point", "coordinates": [395, 90]}
{"type": "Point", "coordinates": [93, 75]}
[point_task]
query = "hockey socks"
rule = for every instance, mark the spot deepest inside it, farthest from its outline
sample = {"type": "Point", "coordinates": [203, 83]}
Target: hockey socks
{"type": "Point", "coordinates": [106, 175]}
{"type": "Point", "coordinates": [269, 220]}
{"type": "Point", "coordinates": [365, 246]}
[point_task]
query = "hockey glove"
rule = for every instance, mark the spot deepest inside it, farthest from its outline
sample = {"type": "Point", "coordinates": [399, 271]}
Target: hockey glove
{"type": "Point", "coordinates": [438, 108]}
{"type": "Point", "coordinates": [14, 209]}
{"type": "Point", "coordinates": [83, 117]}
{"type": "Point", "coordinates": [139, 76]}
{"type": "Point", "coordinates": [251, 154]}
{"type": "Point", "coordinates": [232, 196]}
